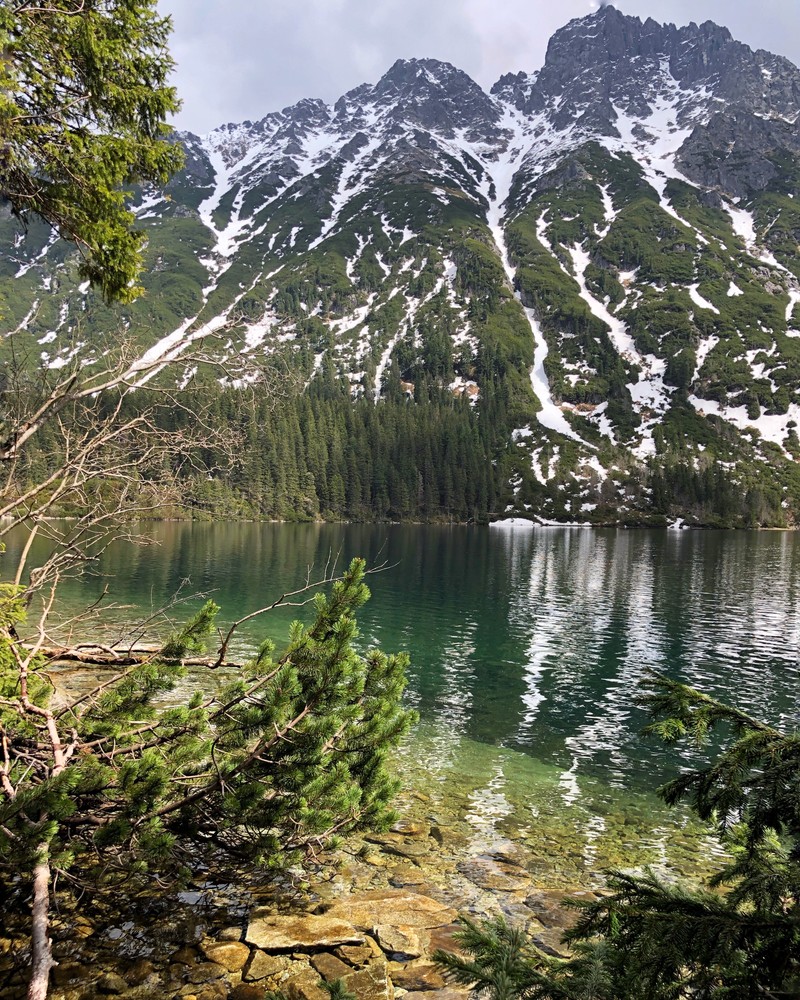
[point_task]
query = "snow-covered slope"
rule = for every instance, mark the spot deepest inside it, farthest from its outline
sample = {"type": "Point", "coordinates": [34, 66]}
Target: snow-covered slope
{"type": "Point", "coordinates": [613, 236]}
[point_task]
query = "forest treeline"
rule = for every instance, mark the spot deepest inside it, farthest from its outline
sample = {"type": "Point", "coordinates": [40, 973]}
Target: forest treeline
{"type": "Point", "coordinates": [421, 454]}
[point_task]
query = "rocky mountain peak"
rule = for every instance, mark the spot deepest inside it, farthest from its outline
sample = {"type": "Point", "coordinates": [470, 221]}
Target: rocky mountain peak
{"type": "Point", "coordinates": [640, 195]}
{"type": "Point", "coordinates": [432, 94]}
{"type": "Point", "coordinates": [415, 72]}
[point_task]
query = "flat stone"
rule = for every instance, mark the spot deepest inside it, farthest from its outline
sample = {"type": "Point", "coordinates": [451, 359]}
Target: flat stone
{"type": "Point", "coordinates": [489, 873]}
{"type": "Point", "coordinates": [414, 849]}
{"type": "Point", "coordinates": [213, 991]}
{"type": "Point", "coordinates": [384, 838]}
{"type": "Point", "coordinates": [394, 907]}
{"type": "Point", "coordinates": [330, 967]}
{"type": "Point", "coordinates": [230, 934]}
{"type": "Point", "coordinates": [417, 976]}
{"type": "Point", "coordinates": [408, 875]}
{"type": "Point", "coordinates": [261, 966]}
{"type": "Point", "coordinates": [206, 972]}
{"type": "Point", "coordinates": [184, 956]}
{"type": "Point", "coordinates": [378, 860]}
{"type": "Point", "coordinates": [231, 954]}
{"type": "Point", "coordinates": [273, 933]}
{"type": "Point", "coordinates": [305, 986]}
{"type": "Point", "coordinates": [111, 983]}
{"type": "Point", "coordinates": [444, 939]}
{"type": "Point", "coordinates": [66, 973]}
{"type": "Point", "coordinates": [399, 940]}
{"type": "Point", "coordinates": [548, 907]}
{"type": "Point", "coordinates": [247, 991]}
{"type": "Point", "coordinates": [138, 972]}
{"type": "Point", "coordinates": [371, 983]}
{"type": "Point", "coordinates": [446, 837]}
{"type": "Point", "coordinates": [355, 954]}
{"type": "Point", "coordinates": [549, 940]}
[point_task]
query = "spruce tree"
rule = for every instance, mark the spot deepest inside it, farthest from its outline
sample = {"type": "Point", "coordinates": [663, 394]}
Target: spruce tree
{"type": "Point", "coordinates": [737, 938]}
{"type": "Point", "coordinates": [83, 103]}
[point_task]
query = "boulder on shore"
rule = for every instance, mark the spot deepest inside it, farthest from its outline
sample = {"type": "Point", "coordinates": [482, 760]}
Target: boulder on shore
{"type": "Point", "coordinates": [392, 907]}
{"type": "Point", "coordinates": [298, 933]}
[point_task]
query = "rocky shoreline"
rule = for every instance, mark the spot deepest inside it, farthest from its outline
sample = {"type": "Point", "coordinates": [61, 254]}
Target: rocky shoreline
{"type": "Point", "coordinates": [372, 913]}
{"type": "Point", "coordinates": [374, 924]}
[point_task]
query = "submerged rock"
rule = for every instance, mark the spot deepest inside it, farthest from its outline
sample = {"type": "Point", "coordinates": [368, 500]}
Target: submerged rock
{"type": "Point", "coordinates": [393, 907]}
{"type": "Point", "coordinates": [293, 933]}
{"type": "Point", "coordinates": [548, 907]}
{"type": "Point", "coordinates": [491, 873]}
{"type": "Point", "coordinates": [231, 954]}
{"type": "Point", "coordinates": [411, 828]}
{"type": "Point", "coordinates": [417, 976]}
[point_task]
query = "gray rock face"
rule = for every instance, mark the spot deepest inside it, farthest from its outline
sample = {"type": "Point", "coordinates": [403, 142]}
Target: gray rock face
{"type": "Point", "coordinates": [402, 129]}
{"type": "Point", "coordinates": [434, 95]}
{"type": "Point", "coordinates": [736, 152]}
{"type": "Point", "coordinates": [611, 56]}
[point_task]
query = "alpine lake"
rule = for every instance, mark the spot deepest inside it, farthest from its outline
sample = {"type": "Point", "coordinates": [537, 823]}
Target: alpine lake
{"type": "Point", "coordinates": [527, 774]}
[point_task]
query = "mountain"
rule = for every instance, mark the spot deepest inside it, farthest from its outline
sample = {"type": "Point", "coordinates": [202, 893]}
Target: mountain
{"type": "Point", "coordinates": [593, 270]}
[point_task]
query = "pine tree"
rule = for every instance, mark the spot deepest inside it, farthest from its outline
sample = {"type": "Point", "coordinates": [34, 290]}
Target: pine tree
{"type": "Point", "coordinates": [286, 757]}
{"type": "Point", "coordinates": [738, 938]}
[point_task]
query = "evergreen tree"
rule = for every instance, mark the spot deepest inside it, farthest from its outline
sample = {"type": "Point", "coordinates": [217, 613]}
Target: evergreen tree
{"type": "Point", "coordinates": [284, 758]}
{"type": "Point", "coordinates": [648, 938]}
{"type": "Point", "coordinates": [83, 103]}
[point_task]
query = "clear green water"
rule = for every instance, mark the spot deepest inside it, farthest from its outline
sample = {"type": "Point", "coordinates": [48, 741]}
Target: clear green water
{"type": "Point", "coordinates": [526, 649]}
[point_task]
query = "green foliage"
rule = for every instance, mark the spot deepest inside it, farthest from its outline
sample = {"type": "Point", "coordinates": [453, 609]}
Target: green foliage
{"type": "Point", "coordinates": [337, 990]}
{"type": "Point", "coordinates": [83, 101]}
{"type": "Point", "coordinates": [290, 753]}
{"type": "Point", "coordinates": [501, 960]}
{"type": "Point", "coordinates": [650, 938]}
{"type": "Point", "coordinates": [643, 236]}
{"type": "Point", "coordinates": [194, 635]}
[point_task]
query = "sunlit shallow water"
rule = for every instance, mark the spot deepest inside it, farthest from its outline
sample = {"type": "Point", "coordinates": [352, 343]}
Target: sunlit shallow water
{"type": "Point", "coordinates": [527, 647]}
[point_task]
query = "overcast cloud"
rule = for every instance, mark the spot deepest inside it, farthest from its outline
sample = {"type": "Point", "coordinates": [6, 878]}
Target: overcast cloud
{"type": "Point", "coordinates": [240, 59]}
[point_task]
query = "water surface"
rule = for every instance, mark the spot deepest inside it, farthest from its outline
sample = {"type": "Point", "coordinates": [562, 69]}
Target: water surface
{"type": "Point", "coordinates": [527, 646]}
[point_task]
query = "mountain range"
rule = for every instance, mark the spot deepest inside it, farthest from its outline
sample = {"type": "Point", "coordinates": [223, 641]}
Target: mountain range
{"type": "Point", "coordinates": [594, 267]}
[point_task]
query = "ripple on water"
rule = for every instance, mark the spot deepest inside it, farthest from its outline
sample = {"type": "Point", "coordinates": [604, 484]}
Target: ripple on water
{"type": "Point", "coordinates": [503, 803]}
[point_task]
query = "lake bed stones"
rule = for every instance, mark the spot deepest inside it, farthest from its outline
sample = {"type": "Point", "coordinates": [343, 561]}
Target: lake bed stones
{"type": "Point", "coordinates": [297, 933]}
{"type": "Point", "coordinates": [417, 976]}
{"type": "Point", "coordinates": [233, 955]}
{"type": "Point", "coordinates": [491, 873]}
{"type": "Point", "coordinates": [394, 907]}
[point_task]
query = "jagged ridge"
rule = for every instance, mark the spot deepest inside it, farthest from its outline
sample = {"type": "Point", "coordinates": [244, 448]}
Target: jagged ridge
{"type": "Point", "coordinates": [614, 235]}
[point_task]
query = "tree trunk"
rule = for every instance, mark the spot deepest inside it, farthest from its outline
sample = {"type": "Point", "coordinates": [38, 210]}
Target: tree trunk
{"type": "Point", "coordinates": [41, 946]}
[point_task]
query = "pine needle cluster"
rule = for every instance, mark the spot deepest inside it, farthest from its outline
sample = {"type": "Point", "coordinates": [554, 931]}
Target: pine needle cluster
{"type": "Point", "coordinates": [647, 938]}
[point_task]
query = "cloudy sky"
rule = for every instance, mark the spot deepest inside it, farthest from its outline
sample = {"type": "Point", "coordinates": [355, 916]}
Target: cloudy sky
{"type": "Point", "coordinates": [241, 59]}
